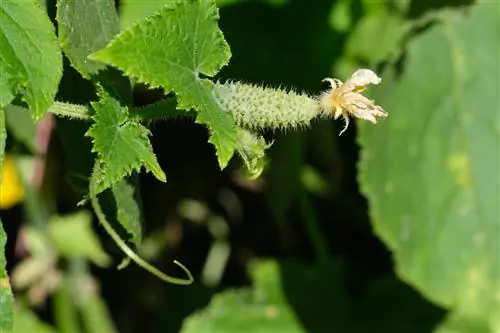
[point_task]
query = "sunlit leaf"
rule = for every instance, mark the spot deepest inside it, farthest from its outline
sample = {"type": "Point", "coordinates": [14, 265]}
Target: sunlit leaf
{"type": "Point", "coordinates": [174, 49]}
{"type": "Point", "coordinates": [30, 58]}
{"type": "Point", "coordinates": [122, 145]}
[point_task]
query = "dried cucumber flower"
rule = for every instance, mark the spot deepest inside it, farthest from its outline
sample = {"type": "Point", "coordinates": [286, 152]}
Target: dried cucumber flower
{"type": "Point", "coordinates": [345, 99]}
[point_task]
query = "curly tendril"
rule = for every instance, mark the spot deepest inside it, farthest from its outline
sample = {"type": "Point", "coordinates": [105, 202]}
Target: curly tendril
{"type": "Point", "coordinates": [123, 246]}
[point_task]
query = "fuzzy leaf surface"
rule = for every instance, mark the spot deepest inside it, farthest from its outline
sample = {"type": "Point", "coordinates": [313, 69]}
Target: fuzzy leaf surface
{"type": "Point", "coordinates": [430, 170]}
{"type": "Point", "coordinates": [122, 145]}
{"type": "Point", "coordinates": [173, 49]}
{"type": "Point", "coordinates": [85, 27]}
{"type": "Point", "coordinates": [30, 57]}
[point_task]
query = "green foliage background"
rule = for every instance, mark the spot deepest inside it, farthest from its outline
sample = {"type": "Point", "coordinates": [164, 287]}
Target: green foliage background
{"type": "Point", "coordinates": [393, 227]}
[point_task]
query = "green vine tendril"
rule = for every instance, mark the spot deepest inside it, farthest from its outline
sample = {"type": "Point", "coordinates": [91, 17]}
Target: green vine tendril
{"type": "Point", "coordinates": [123, 246]}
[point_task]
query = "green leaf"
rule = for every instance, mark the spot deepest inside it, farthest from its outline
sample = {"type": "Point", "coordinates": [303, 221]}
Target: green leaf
{"type": "Point", "coordinates": [132, 10]}
{"type": "Point", "coordinates": [72, 236]}
{"type": "Point", "coordinates": [172, 49]}
{"type": "Point", "coordinates": [430, 170]}
{"type": "Point", "coordinates": [262, 310]}
{"type": "Point", "coordinates": [377, 37]}
{"type": "Point", "coordinates": [28, 322]}
{"type": "Point", "coordinates": [6, 298]}
{"type": "Point", "coordinates": [95, 314]}
{"type": "Point", "coordinates": [66, 314]}
{"type": "Point", "coordinates": [85, 27]}
{"type": "Point", "coordinates": [3, 139]}
{"type": "Point", "coordinates": [457, 323]}
{"type": "Point", "coordinates": [340, 17]}
{"type": "Point", "coordinates": [128, 212]}
{"type": "Point", "coordinates": [122, 145]}
{"type": "Point", "coordinates": [30, 58]}
{"type": "Point", "coordinates": [21, 126]}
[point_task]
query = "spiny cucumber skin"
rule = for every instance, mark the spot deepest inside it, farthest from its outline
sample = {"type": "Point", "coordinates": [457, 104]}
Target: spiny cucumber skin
{"type": "Point", "coordinates": [256, 107]}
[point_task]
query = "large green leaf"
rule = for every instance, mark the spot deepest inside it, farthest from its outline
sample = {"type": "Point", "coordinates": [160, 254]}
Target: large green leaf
{"type": "Point", "coordinates": [430, 170]}
{"type": "Point", "coordinates": [173, 49]}
{"type": "Point", "coordinates": [122, 145]}
{"type": "Point", "coordinates": [85, 27]}
{"type": "Point", "coordinates": [30, 58]}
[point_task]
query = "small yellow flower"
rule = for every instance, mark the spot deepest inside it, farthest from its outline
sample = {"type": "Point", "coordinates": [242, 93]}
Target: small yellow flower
{"type": "Point", "coordinates": [345, 99]}
{"type": "Point", "coordinates": [11, 189]}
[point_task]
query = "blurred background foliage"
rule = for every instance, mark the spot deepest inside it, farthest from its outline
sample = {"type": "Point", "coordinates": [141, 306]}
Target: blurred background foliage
{"type": "Point", "coordinates": [367, 232]}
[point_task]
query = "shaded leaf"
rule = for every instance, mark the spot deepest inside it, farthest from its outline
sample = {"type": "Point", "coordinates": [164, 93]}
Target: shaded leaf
{"type": "Point", "coordinates": [85, 27]}
{"type": "Point", "coordinates": [284, 183]}
{"type": "Point", "coordinates": [128, 211]}
{"type": "Point", "coordinates": [173, 49]}
{"type": "Point", "coordinates": [296, 297]}
{"type": "Point", "coordinates": [21, 126]}
{"type": "Point", "coordinates": [260, 310]}
{"type": "Point", "coordinates": [30, 58]}
{"type": "Point", "coordinates": [122, 145]}
{"type": "Point", "coordinates": [430, 170]}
